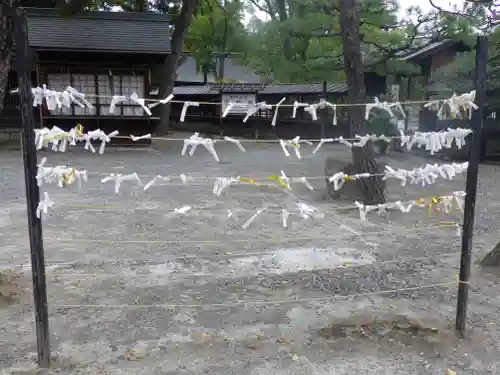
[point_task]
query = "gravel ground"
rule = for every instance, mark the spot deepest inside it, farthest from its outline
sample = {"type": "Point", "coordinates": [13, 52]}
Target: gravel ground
{"type": "Point", "coordinates": [134, 288]}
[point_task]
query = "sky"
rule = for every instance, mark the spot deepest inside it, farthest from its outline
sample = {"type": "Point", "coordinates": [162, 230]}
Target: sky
{"type": "Point", "coordinates": [404, 4]}
{"type": "Point", "coordinates": [426, 6]}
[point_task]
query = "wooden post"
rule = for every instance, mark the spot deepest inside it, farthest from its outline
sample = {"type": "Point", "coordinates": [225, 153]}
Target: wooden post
{"type": "Point", "coordinates": [221, 122]}
{"type": "Point", "coordinates": [409, 111]}
{"type": "Point", "coordinates": [24, 61]}
{"type": "Point", "coordinates": [471, 183]}
{"type": "Point", "coordinates": [324, 118]}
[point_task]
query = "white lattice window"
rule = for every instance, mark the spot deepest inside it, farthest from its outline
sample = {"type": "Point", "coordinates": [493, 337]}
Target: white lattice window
{"type": "Point", "coordinates": [85, 83]}
{"type": "Point", "coordinates": [121, 85]}
{"type": "Point", "coordinates": [107, 87]}
{"type": "Point", "coordinates": [129, 85]}
{"type": "Point", "coordinates": [59, 82]}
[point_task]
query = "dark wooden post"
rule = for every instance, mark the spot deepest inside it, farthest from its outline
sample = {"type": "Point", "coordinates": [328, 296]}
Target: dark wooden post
{"type": "Point", "coordinates": [24, 61]}
{"type": "Point", "coordinates": [409, 108]}
{"type": "Point", "coordinates": [221, 119]}
{"type": "Point", "coordinates": [426, 74]}
{"type": "Point", "coordinates": [324, 118]}
{"type": "Point", "coordinates": [471, 183]}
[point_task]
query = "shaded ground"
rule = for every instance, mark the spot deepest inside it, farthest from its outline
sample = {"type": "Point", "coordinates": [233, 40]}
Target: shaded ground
{"type": "Point", "coordinates": [136, 289]}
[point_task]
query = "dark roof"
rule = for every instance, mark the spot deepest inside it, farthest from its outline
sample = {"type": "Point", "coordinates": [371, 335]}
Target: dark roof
{"type": "Point", "coordinates": [433, 48]}
{"type": "Point", "coordinates": [271, 89]}
{"type": "Point", "coordinates": [234, 70]}
{"type": "Point", "coordinates": [438, 88]}
{"type": "Point", "coordinates": [143, 33]}
{"type": "Point", "coordinates": [195, 90]}
{"type": "Point", "coordinates": [303, 88]}
{"type": "Point", "coordinates": [238, 87]}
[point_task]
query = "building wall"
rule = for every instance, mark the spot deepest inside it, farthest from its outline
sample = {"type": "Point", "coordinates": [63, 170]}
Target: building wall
{"type": "Point", "coordinates": [99, 85]}
{"type": "Point", "coordinates": [442, 58]}
{"type": "Point", "coordinates": [99, 79]}
{"type": "Point", "coordinates": [10, 115]}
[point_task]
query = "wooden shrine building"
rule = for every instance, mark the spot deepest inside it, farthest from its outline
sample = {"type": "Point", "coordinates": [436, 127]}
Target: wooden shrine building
{"type": "Point", "coordinates": [207, 117]}
{"type": "Point", "coordinates": [113, 53]}
{"type": "Point", "coordinates": [97, 53]}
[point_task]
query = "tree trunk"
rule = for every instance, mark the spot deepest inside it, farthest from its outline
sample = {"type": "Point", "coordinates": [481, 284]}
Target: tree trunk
{"type": "Point", "coordinates": [5, 47]}
{"type": "Point", "coordinates": [181, 26]}
{"type": "Point", "coordinates": [221, 67]}
{"type": "Point", "coordinates": [222, 51]}
{"type": "Point", "coordinates": [492, 259]}
{"type": "Point", "coordinates": [142, 6]}
{"type": "Point", "coordinates": [363, 157]}
{"type": "Point", "coordinates": [205, 75]}
{"type": "Point", "coordinates": [283, 17]}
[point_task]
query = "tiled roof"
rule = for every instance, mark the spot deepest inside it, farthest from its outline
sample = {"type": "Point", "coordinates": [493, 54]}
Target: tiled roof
{"type": "Point", "coordinates": [145, 33]}
{"type": "Point", "coordinates": [433, 48]}
{"type": "Point", "coordinates": [238, 87]}
{"type": "Point", "coordinates": [303, 88]}
{"type": "Point", "coordinates": [271, 89]}
{"type": "Point", "coordinates": [195, 90]}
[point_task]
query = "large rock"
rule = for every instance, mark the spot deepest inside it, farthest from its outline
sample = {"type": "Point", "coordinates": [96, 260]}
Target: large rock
{"type": "Point", "coordinates": [351, 190]}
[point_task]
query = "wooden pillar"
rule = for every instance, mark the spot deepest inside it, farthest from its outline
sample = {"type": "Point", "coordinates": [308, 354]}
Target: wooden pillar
{"type": "Point", "coordinates": [426, 74]}
{"type": "Point", "coordinates": [409, 109]}
{"type": "Point", "coordinates": [25, 68]}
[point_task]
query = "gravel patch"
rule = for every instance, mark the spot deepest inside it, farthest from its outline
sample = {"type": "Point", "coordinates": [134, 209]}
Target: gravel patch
{"type": "Point", "coordinates": [136, 289]}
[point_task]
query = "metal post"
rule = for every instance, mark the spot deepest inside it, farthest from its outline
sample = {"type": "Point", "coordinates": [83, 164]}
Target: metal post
{"type": "Point", "coordinates": [24, 61]}
{"type": "Point", "coordinates": [471, 184]}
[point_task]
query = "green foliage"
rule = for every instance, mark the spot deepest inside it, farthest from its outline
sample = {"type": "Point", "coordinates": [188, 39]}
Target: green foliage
{"type": "Point", "coordinates": [300, 40]}
{"type": "Point", "coordinates": [216, 30]}
{"type": "Point", "coordinates": [382, 123]}
{"type": "Point", "coordinates": [464, 22]}
{"type": "Point", "coordinates": [71, 7]}
{"type": "Point", "coordinates": [459, 75]}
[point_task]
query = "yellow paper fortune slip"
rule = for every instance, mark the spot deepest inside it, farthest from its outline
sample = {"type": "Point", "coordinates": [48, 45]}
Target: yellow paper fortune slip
{"type": "Point", "coordinates": [282, 183]}
{"type": "Point", "coordinates": [68, 178]}
{"type": "Point", "coordinates": [249, 180]}
{"type": "Point", "coordinates": [433, 204]}
{"type": "Point", "coordinates": [56, 136]}
{"type": "Point", "coordinates": [79, 130]}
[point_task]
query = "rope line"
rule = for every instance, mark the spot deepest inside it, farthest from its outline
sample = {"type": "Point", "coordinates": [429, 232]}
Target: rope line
{"type": "Point", "coordinates": [200, 180]}
{"type": "Point", "coordinates": [346, 264]}
{"type": "Point", "coordinates": [151, 100]}
{"type": "Point", "coordinates": [245, 240]}
{"type": "Point", "coordinates": [217, 256]}
{"type": "Point", "coordinates": [211, 179]}
{"type": "Point", "coordinates": [269, 208]}
{"type": "Point", "coordinates": [255, 302]}
{"type": "Point", "coordinates": [246, 140]}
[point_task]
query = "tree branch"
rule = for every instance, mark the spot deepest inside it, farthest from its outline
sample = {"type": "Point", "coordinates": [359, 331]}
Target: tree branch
{"type": "Point", "coordinates": [269, 11]}
{"type": "Point", "coordinates": [318, 34]}
{"type": "Point", "coordinates": [409, 45]}
{"type": "Point", "coordinates": [492, 19]}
